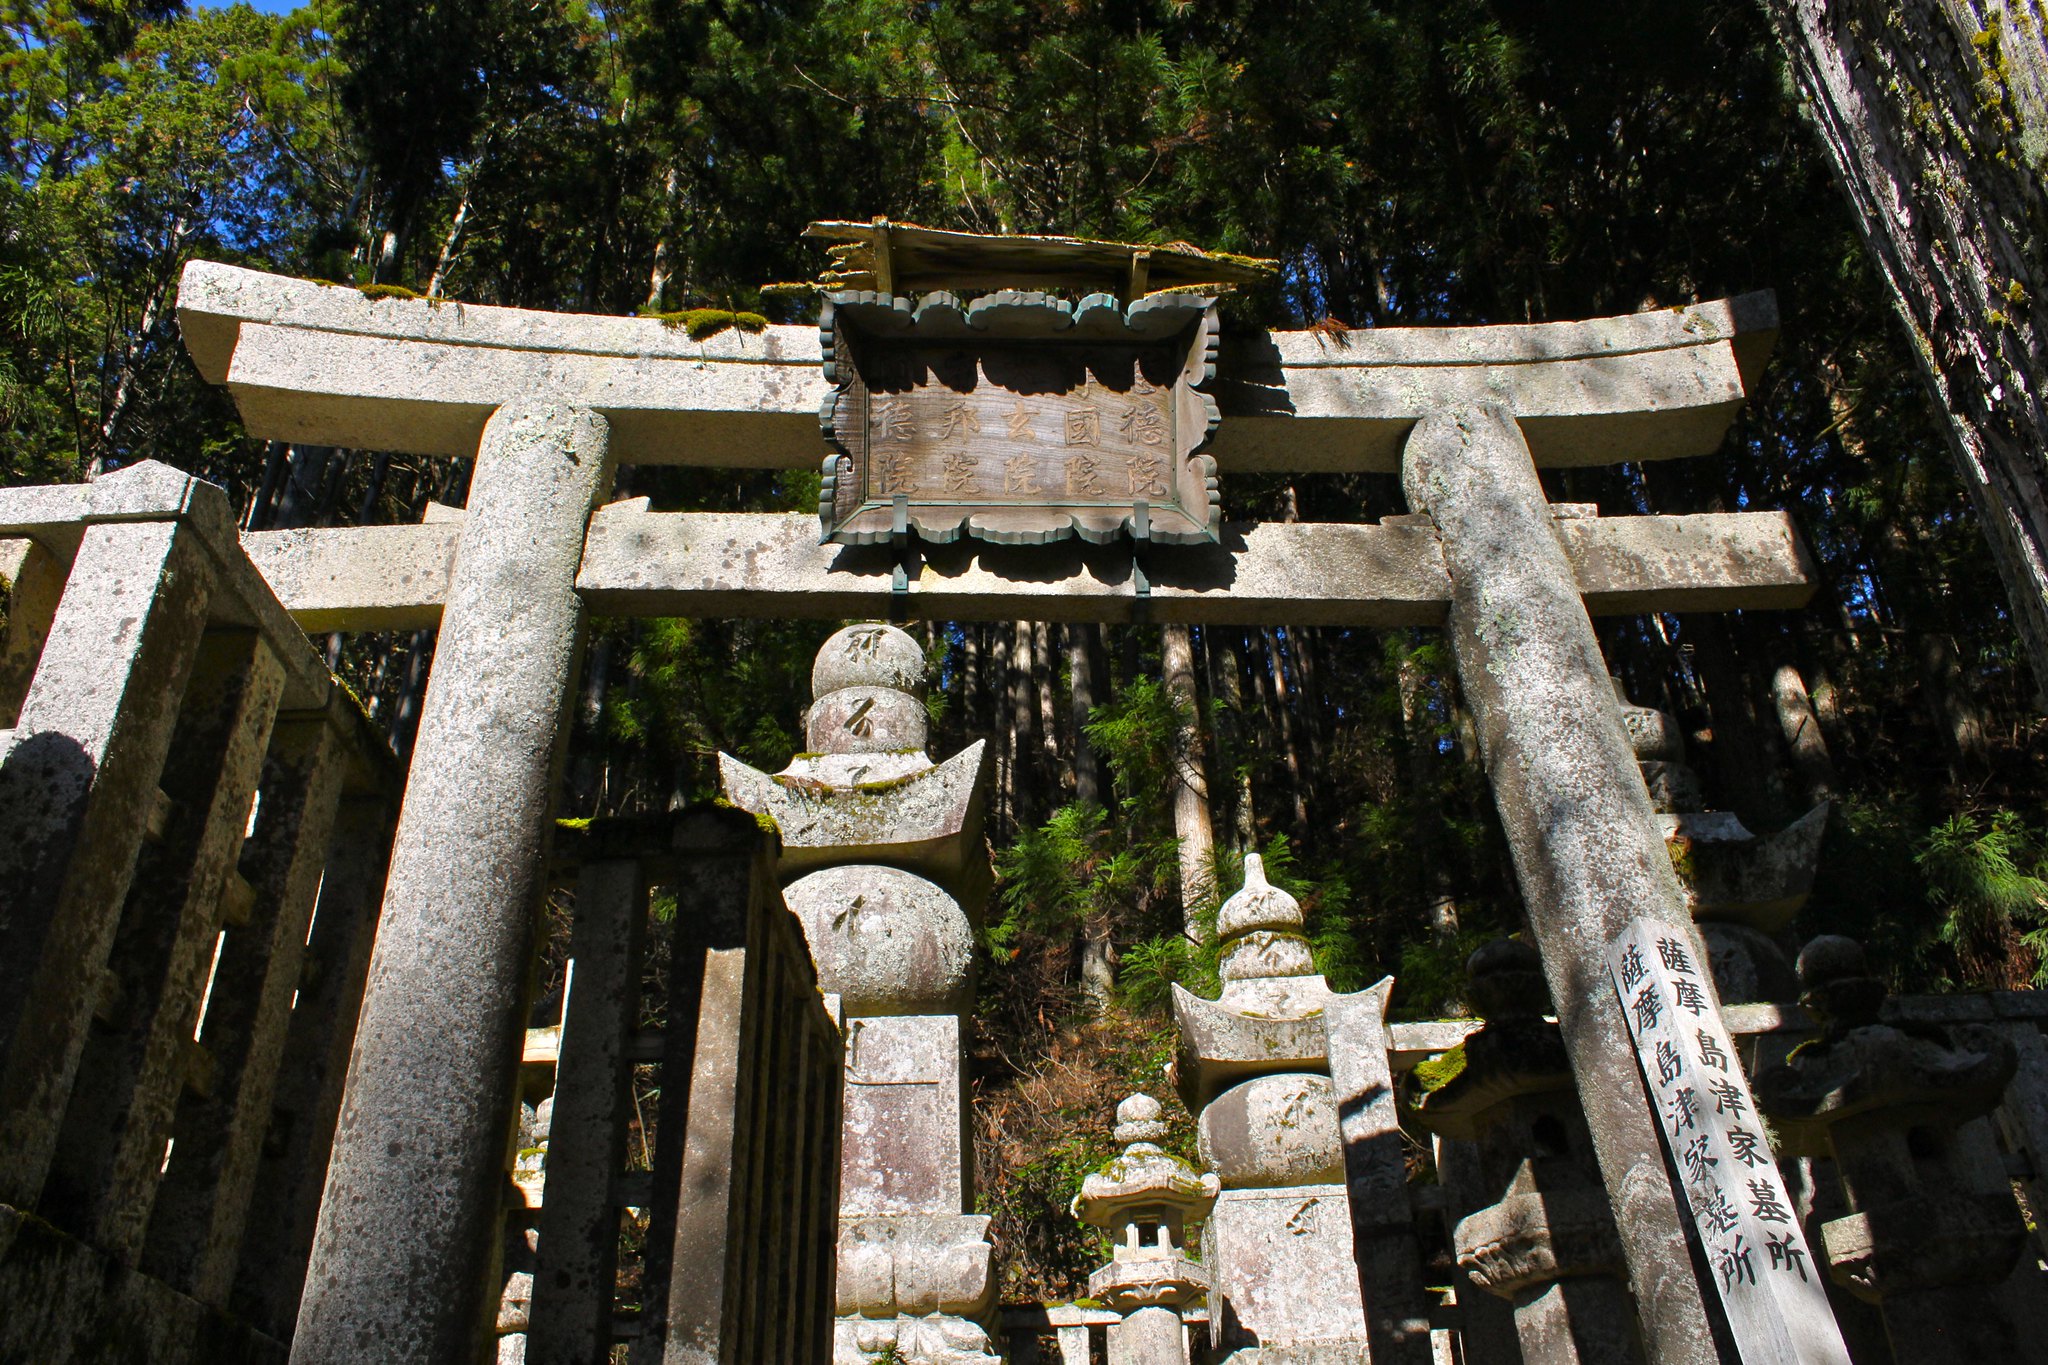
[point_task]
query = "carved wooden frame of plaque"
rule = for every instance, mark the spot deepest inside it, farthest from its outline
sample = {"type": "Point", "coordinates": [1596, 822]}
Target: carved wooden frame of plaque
{"type": "Point", "coordinates": [1018, 419]}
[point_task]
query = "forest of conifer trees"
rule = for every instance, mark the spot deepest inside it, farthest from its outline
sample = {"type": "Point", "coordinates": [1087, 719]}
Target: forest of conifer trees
{"type": "Point", "coordinates": [1407, 162]}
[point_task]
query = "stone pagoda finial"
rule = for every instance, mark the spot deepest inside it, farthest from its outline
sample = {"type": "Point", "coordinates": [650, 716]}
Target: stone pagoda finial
{"type": "Point", "coordinates": [867, 721]}
{"type": "Point", "coordinates": [1266, 963]}
{"type": "Point", "coordinates": [1138, 1121]}
{"type": "Point", "coordinates": [865, 790]}
{"type": "Point", "coordinates": [1147, 1199]}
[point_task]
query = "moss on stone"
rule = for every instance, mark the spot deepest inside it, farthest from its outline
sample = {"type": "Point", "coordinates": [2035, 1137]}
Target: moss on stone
{"type": "Point", "coordinates": [701, 324]}
{"type": "Point", "coordinates": [374, 292]}
{"type": "Point", "coordinates": [1680, 853]}
{"type": "Point", "coordinates": [1439, 1071]}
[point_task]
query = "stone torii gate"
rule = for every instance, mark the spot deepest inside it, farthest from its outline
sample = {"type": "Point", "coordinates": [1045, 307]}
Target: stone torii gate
{"type": "Point", "coordinates": [548, 405]}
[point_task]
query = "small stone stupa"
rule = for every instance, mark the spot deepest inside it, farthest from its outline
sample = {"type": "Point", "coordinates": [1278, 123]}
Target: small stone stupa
{"type": "Point", "coordinates": [1148, 1199]}
{"type": "Point", "coordinates": [1253, 1065]}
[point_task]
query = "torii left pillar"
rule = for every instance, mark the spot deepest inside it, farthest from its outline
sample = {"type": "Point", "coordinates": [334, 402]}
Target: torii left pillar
{"type": "Point", "coordinates": [412, 1205]}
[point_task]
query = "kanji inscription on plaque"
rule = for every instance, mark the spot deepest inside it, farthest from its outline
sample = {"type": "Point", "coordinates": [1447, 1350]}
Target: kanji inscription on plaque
{"type": "Point", "coordinates": [1757, 1256]}
{"type": "Point", "coordinates": [1019, 419]}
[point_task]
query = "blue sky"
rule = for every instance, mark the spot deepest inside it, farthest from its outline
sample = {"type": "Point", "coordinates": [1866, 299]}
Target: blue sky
{"type": "Point", "coordinates": [264, 6]}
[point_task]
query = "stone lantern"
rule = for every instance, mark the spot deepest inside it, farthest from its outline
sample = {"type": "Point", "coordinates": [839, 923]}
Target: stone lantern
{"type": "Point", "coordinates": [1147, 1199]}
{"type": "Point", "coordinates": [1546, 1243]}
{"type": "Point", "coordinates": [1932, 1235]}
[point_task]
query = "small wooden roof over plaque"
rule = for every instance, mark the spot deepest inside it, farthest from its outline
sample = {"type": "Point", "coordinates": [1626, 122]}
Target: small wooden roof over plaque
{"type": "Point", "coordinates": [903, 258]}
{"type": "Point", "coordinates": [1020, 417]}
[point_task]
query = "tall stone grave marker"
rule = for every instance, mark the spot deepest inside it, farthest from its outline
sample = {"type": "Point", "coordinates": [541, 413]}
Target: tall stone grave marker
{"type": "Point", "coordinates": [897, 947]}
{"type": "Point", "coordinates": [1279, 1244]}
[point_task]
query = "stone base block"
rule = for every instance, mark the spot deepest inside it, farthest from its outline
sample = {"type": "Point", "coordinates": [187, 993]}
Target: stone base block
{"type": "Point", "coordinates": [914, 1265]}
{"type": "Point", "coordinates": [935, 1340]}
{"type": "Point", "coordinates": [63, 1302]}
{"type": "Point", "coordinates": [1286, 1279]}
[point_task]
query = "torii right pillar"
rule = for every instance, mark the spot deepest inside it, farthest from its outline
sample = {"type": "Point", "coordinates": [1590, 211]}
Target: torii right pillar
{"type": "Point", "coordinates": [1587, 849]}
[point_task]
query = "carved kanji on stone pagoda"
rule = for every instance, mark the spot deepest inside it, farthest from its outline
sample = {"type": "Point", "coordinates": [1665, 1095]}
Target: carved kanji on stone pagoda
{"type": "Point", "coordinates": [889, 847]}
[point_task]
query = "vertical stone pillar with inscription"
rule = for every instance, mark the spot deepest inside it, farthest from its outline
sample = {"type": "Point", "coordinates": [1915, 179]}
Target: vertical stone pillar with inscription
{"type": "Point", "coordinates": [1279, 1244]}
{"type": "Point", "coordinates": [888, 851]}
{"type": "Point", "coordinates": [1588, 854]}
{"type": "Point", "coordinates": [1546, 1242]}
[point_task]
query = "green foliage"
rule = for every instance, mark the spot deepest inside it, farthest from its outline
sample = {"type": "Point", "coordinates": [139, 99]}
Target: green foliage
{"type": "Point", "coordinates": [1074, 867]}
{"type": "Point", "coordinates": [1151, 968]}
{"type": "Point", "coordinates": [138, 139]}
{"type": "Point", "coordinates": [1984, 877]}
{"type": "Point", "coordinates": [698, 688]}
{"type": "Point", "coordinates": [1429, 983]}
{"type": "Point", "coordinates": [1134, 734]}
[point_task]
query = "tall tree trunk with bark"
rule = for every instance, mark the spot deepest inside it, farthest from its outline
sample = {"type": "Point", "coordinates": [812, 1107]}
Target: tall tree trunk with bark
{"type": "Point", "coordinates": [1290, 740]}
{"type": "Point", "coordinates": [1928, 109]}
{"type": "Point", "coordinates": [1081, 691]}
{"type": "Point", "coordinates": [1811, 762]}
{"type": "Point", "coordinates": [1098, 953]}
{"type": "Point", "coordinates": [1226, 684]}
{"type": "Point", "coordinates": [1023, 722]}
{"type": "Point", "coordinates": [1191, 777]}
{"type": "Point", "coordinates": [449, 245]}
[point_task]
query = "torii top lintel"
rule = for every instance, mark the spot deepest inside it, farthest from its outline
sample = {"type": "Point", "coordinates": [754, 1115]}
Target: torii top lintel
{"type": "Point", "coordinates": [323, 364]}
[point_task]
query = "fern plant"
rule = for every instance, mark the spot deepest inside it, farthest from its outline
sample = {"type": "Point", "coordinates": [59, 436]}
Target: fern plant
{"type": "Point", "coordinates": [1984, 877]}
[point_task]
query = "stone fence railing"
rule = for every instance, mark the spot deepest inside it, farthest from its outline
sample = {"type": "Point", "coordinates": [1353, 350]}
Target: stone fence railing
{"type": "Point", "coordinates": [195, 831]}
{"type": "Point", "coordinates": [739, 1181]}
{"type": "Point", "coordinates": [194, 824]}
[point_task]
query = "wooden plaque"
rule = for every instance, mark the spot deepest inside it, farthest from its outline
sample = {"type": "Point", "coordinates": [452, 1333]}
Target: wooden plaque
{"type": "Point", "coordinates": [1758, 1259]}
{"type": "Point", "coordinates": [1019, 419]}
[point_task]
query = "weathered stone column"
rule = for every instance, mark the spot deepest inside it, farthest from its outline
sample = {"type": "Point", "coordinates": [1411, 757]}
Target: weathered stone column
{"type": "Point", "coordinates": [79, 795]}
{"type": "Point", "coordinates": [897, 948]}
{"type": "Point", "coordinates": [1588, 853]}
{"type": "Point", "coordinates": [411, 1208]}
{"type": "Point", "coordinates": [1376, 1178]}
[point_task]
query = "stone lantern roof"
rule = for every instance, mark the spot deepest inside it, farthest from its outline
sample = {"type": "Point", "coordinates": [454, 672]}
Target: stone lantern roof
{"type": "Point", "coordinates": [1145, 1179]}
{"type": "Point", "coordinates": [1147, 1198]}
